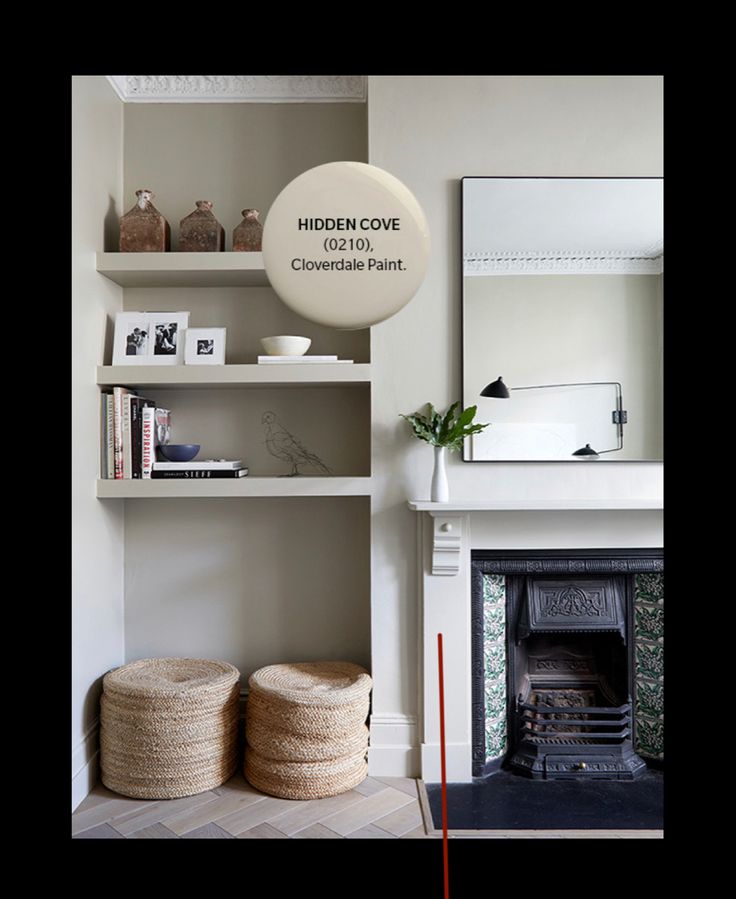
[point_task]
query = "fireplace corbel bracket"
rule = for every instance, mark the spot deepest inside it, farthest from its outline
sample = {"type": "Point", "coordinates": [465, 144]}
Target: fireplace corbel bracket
{"type": "Point", "coordinates": [447, 539]}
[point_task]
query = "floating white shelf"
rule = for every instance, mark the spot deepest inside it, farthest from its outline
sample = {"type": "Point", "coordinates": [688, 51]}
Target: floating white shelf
{"type": "Point", "coordinates": [233, 487]}
{"type": "Point", "coordinates": [215, 376]}
{"type": "Point", "coordinates": [183, 269]}
{"type": "Point", "coordinates": [534, 505]}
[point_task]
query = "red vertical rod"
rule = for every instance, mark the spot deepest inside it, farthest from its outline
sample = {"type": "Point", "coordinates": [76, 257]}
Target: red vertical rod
{"type": "Point", "coordinates": [443, 766]}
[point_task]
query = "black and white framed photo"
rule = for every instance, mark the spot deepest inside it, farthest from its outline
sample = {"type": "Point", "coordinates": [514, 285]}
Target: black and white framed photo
{"type": "Point", "coordinates": [132, 342]}
{"type": "Point", "coordinates": [167, 337]}
{"type": "Point", "coordinates": [149, 338]}
{"type": "Point", "coordinates": [205, 346]}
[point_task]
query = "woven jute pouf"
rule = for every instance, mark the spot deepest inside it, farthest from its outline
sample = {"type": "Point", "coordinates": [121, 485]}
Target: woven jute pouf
{"type": "Point", "coordinates": [309, 721]}
{"type": "Point", "coordinates": [305, 780]}
{"type": "Point", "coordinates": [168, 727]}
{"type": "Point", "coordinates": [275, 743]}
{"type": "Point", "coordinates": [318, 699]}
{"type": "Point", "coordinates": [305, 728]}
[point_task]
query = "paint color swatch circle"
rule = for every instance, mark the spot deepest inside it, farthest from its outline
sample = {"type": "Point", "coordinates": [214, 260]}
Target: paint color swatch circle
{"type": "Point", "coordinates": [346, 245]}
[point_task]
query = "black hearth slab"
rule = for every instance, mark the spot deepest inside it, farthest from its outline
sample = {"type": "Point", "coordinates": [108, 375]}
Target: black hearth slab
{"type": "Point", "coordinates": [506, 801]}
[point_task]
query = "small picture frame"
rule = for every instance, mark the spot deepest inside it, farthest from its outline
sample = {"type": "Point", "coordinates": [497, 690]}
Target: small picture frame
{"type": "Point", "coordinates": [205, 346]}
{"type": "Point", "coordinates": [149, 338]}
{"type": "Point", "coordinates": [168, 331]}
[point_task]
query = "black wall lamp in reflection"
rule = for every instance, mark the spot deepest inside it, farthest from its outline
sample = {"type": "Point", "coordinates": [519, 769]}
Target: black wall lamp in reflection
{"type": "Point", "coordinates": [498, 390]}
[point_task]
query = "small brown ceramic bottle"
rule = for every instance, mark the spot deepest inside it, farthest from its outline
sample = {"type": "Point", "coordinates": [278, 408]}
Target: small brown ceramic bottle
{"type": "Point", "coordinates": [200, 232]}
{"type": "Point", "coordinates": [143, 229]}
{"type": "Point", "coordinates": [248, 235]}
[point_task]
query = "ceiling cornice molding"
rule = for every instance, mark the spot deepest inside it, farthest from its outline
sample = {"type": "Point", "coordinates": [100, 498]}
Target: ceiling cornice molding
{"type": "Point", "coordinates": [615, 262]}
{"type": "Point", "coordinates": [240, 88]}
{"type": "Point", "coordinates": [118, 84]}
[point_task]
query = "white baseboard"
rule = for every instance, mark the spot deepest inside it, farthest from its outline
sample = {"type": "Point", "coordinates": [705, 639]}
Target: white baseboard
{"type": "Point", "coordinates": [458, 759]}
{"type": "Point", "coordinates": [394, 748]}
{"type": "Point", "coordinates": [85, 764]}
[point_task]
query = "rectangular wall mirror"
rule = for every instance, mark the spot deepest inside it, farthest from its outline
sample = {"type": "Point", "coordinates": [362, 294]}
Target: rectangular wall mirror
{"type": "Point", "coordinates": [562, 318]}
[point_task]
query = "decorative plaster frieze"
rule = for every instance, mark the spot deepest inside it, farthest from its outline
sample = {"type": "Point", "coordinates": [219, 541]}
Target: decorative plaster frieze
{"type": "Point", "coordinates": [240, 88]}
{"type": "Point", "coordinates": [552, 262]}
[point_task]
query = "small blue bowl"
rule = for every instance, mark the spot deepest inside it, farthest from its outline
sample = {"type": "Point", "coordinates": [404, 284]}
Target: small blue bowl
{"type": "Point", "coordinates": [179, 452]}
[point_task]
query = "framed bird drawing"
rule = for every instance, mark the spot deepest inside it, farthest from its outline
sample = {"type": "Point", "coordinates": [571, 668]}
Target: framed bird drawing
{"type": "Point", "coordinates": [283, 445]}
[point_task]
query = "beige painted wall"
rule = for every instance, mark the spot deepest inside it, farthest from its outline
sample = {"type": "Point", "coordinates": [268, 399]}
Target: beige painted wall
{"type": "Point", "coordinates": [238, 155]}
{"type": "Point", "coordinates": [97, 528]}
{"type": "Point", "coordinates": [265, 580]}
{"type": "Point", "coordinates": [430, 131]}
{"type": "Point", "coordinates": [252, 582]}
{"type": "Point", "coordinates": [552, 329]}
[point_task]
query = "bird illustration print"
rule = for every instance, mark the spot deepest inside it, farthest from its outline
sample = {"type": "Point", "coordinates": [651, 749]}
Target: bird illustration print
{"type": "Point", "coordinates": [283, 445]}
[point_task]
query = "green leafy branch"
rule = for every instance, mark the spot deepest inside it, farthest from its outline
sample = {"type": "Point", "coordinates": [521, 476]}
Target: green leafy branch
{"type": "Point", "coordinates": [449, 430]}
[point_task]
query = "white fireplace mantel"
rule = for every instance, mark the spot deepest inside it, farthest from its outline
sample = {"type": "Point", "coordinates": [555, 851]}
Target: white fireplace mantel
{"type": "Point", "coordinates": [451, 527]}
{"type": "Point", "coordinates": [533, 505]}
{"type": "Point", "coordinates": [448, 532]}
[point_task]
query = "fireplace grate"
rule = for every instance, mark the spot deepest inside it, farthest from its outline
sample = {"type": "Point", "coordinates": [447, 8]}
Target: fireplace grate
{"type": "Point", "coordinates": [544, 723]}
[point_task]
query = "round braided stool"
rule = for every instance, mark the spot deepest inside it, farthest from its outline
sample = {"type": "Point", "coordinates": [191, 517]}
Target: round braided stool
{"type": "Point", "coordinates": [305, 729]}
{"type": "Point", "coordinates": [168, 727]}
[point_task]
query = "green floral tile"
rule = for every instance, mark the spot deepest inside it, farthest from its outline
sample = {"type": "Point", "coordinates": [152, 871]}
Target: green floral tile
{"type": "Point", "coordinates": [492, 674]}
{"type": "Point", "coordinates": [494, 588]}
{"type": "Point", "coordinates": [494, 663]}
{"type": "Point", "coordinates": [494, 617]}
{"type": "Point", "coordinates": [495, 699]}
{"type": "Point", "coordinates": [495, 738]}
{"type": "Point", "coordinates": [494, 660]}
{"type": "Point", "coordinates": [649, 699]}
{"type": "Point", "coordinates": [649, 622]}
{"type": "Point", "coordinates": [649, 660]}
{"type": "Point", "coordinates": [650, 737]}
{"type": "Point", "coordinates": [649, 588]}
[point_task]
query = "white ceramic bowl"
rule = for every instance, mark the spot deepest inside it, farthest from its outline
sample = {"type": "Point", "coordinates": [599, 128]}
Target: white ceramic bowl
{"type": "Point", "coordinates": [285, 345]}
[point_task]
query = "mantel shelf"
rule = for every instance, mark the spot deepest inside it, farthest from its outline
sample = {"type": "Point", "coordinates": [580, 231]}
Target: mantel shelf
{"type": "Point", "coordinates": [534, 505]}
{"type": "Point", "coordinates": [452, 522]}
{"type": "Point", "coordinates": [312, 374]}
{"type": "Point", "coordinates": [233, 487]}
{"type": "Point", "coordinates": [183, 269]}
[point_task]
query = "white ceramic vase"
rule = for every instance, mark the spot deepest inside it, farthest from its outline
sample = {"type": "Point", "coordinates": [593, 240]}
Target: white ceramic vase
{"type": "Point", "coordinates": [440, 489]}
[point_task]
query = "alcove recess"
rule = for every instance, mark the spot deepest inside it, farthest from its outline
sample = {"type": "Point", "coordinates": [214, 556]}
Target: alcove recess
{"type": "Point", "coordinates": [246, 570]}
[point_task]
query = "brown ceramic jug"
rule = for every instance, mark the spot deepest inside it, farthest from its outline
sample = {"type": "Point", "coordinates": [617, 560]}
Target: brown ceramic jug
{"type": "Point", "coordinates": [143, 229]}
{"type": "Point", "coordinates": [200, 232]}
{"type": "Point", "coordinates": [248, 235]}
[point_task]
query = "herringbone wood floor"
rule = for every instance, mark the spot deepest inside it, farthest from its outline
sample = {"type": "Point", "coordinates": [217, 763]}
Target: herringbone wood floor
{"type": "Point", "coordinates": [385, 808]}
{"type": "Point", "coordinates": [378, 808]}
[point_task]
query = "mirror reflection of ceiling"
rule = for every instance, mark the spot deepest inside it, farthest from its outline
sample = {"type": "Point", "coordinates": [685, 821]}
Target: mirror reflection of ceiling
{"type": "Point", "coordinates": [563, 225]}
{"type": "Point", "coordinates": [563, 299]}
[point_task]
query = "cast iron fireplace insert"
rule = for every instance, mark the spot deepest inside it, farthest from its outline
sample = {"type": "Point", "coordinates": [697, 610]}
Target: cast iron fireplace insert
{"type": "Point", "coordinates": [569, 661]}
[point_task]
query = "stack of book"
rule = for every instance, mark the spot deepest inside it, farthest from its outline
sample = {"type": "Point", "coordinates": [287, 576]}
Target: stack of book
{"type": "Point", "coordinates": [210, 468]}
{"type": "Point", "coordinates": [275, 360]}
{"type": "Point", "coordinates": [132, 428]}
